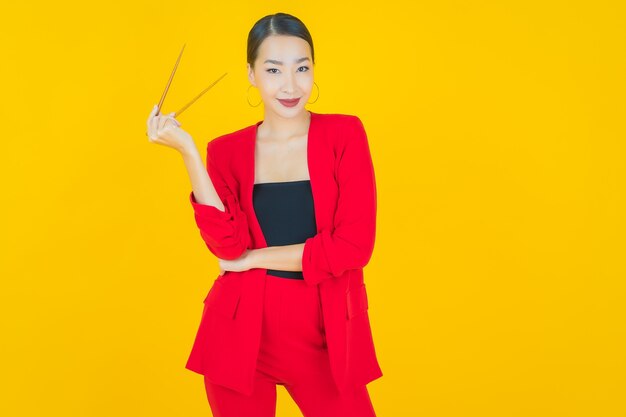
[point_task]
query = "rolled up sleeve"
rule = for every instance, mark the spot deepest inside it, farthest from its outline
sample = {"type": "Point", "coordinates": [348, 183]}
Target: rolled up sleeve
{"type": "Point", "coordinates": [350, 244]}
{"type": "Point", "coordinates": [225, 233]}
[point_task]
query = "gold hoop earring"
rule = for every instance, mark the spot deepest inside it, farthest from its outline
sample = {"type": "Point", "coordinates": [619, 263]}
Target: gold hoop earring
{"type": "Point", "coordinates": [318, 93]}
{"type": "Point", "coordinates": [248, 97]}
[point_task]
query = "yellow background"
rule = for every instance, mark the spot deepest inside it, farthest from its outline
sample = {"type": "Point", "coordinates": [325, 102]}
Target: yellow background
{"type": "Point", "coordinates": [497, 132]}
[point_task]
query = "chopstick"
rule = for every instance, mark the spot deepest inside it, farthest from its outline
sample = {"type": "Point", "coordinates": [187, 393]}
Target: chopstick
{"type": "Point", "coordinates": [198, 96]}
{"type": "Point", "coordinates": [167, 86]}
{"type": "Point", "coordinates": [169, 82]}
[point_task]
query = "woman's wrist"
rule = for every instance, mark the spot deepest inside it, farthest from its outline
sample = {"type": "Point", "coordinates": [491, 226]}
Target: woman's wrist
{"type": "Point", "coordinates": [255, 258]}
{"type": "Point", "coordinates": [189, 149]}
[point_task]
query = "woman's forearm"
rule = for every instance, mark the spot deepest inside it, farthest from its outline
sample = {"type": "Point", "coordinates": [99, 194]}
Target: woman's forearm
{"type": "Point", "coordinates": [284, 258]}
{"type": "Point", "coordinates": [203, 190]}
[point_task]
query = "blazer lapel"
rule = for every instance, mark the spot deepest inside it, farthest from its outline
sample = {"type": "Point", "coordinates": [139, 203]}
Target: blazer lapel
{"type": "Point", "coordinates": [248, 187]}
{"type": "Point", "coordinates": [311, 152]}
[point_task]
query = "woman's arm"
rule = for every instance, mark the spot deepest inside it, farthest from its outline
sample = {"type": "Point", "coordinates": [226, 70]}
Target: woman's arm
{"type": "Point", "coordinates": [284, 258]}
{"type": "Point", "coordinates": [223, 225]}
{"type": "Point", "coordinates": [350, 242]}
{"type": "Point", "coordinates": [203, 189]}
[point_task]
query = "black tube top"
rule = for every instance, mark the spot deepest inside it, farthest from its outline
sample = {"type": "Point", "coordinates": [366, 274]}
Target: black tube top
{"type": "Point", "coordinates": [286, 214]}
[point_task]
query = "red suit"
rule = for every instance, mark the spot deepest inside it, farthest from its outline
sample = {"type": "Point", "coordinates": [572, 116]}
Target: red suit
{"type": "Point", "coordinates": [344, 192]}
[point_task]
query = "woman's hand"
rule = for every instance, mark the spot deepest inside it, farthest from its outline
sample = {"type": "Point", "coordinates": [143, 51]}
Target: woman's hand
{"type": "Point", "coordinates": [243, 263]}
{"type": "Point", "coordinates": [165, 130]}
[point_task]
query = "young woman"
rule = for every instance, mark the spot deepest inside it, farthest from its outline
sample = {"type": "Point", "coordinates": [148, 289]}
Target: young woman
{"type": "Point", "coordinates": [288, 206]}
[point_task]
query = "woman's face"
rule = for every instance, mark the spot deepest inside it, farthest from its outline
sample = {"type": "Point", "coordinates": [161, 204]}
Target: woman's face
{"type": "Point", "coordinates": [283, 70]}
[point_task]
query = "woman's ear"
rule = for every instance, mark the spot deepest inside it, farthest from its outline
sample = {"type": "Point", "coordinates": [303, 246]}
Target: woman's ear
{"type": "Point", "coordinates": [250, 74]}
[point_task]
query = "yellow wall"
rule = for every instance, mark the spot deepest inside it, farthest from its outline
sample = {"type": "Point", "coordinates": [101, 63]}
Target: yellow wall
{"type": "Point", "coordinates": [497, 131]}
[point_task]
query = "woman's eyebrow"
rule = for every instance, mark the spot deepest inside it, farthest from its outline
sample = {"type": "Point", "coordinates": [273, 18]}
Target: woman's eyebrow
{"type": "Point", "coordinates": [297, 61]}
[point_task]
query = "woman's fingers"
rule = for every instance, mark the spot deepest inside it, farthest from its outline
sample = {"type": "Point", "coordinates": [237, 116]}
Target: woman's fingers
{"type": "Point", "coordinates": [152, 128]}
{"type": "Point", "coordinates": [165, 129]}
{"type": "Point", "coordinates": [172, 115]}
{"type": "Point", "coordinates": [151, 116]}
{"type": "Point", "coordinates": [165, 121]}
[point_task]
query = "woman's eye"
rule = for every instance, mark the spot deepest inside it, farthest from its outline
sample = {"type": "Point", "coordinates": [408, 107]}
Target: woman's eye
{"type": "Point", "coordinates": [270, 70]}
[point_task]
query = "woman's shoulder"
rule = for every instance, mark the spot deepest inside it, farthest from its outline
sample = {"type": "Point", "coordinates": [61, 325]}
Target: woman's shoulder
{"type": "Point", "coordinates": [338, 119]}
{"type": "Point", "coordinates": [343, 128]}
{"type": "Point", "coordinates": [346, 125]}
{"type": "Point", "coordinates": [233, 139]}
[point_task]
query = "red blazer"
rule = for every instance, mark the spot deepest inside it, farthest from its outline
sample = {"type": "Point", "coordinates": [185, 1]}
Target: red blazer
{"type": "Point", "coordinates": [344, 193]}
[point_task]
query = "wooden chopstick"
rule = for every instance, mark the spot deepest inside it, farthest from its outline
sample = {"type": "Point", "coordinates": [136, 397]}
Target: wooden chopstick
{"type": "Point", "coordinates": [167, 87]}
{"type": "Point", "coordinates": [198, 96]}
{"type": "Point", "coordinates": [169, 82]}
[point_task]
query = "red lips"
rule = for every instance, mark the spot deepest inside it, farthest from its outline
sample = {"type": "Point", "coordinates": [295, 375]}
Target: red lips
{"type": "Point", "coordinates": [289, 103]}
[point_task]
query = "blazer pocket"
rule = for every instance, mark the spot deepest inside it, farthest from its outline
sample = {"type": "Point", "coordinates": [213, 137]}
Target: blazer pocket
{"type": "Point", "coordinates": [356, 301]}
{"type": "Point", "coordinates": [223, 298]}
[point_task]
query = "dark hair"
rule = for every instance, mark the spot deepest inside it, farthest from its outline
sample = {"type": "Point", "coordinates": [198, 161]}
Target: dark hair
{"type": "Point", "coordinates": [276, 24]}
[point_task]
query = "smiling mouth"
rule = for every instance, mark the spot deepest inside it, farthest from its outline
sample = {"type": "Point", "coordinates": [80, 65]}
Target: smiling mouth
{"type": "Point", "coordinates": [289, 102]}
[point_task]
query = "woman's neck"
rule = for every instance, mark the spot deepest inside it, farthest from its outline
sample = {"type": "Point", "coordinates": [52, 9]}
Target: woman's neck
{"type": "Point", "coordinates": [282, 129]}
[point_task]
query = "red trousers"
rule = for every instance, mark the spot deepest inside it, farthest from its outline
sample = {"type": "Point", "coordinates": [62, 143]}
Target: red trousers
{"type": "Point", "coordinates": [293, 354]}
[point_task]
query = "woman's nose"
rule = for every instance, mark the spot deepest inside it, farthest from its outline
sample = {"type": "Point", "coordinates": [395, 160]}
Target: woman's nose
{"type": "Point", "coordinates": [289, 84]}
